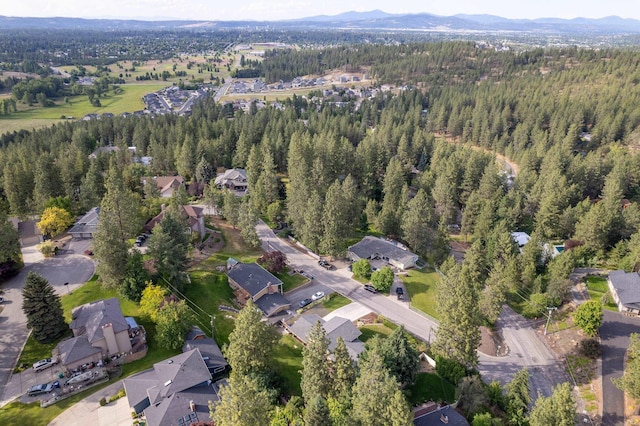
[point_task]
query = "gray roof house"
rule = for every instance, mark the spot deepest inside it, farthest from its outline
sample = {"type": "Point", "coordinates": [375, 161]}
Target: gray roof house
{"type": "Point", "coordinates": [176, 391]}
{"type": "Point", "coordinates": [77, 351]}
{"type": "Point", "coordinates": [252, 281]}
{"type": "Point", "coordinates": [103, 324]}
{"type": "Point", "coordinates": [443, 416]}
{"type": "Point", "coordinates": [377, 248]}
{"type": "Point", "coordinates": [86, 226]}
{"type": "Point", "coordinates": [233, 179]}
{"type": "Point", "coordinates": [625, 290]}
{"type": "Point", "coordinates": [334, 328]}
{"type": "Point", "coordinates": [209, 349]}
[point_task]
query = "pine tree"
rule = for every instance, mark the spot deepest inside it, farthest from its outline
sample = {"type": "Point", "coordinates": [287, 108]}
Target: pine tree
{"type": "Point", "coordinates": [243, 402]}
{"type": "Point", "coordinates": [311, 229]}
{"type": "Point", "coordinates": [401, 357]}
{"type": "Point", "coordinates": [343, 372]}
{"type": "Point", "coordinates": [43, 309]}
{"type": "Point", "coordinates": [317, 413]}
{"type": "Point", "coordinates": [247, 221]}
{"type": "Point", "coordinates": [169, 245]}
{"type": "Point", "coordinates": [315, 369]}
{"type": "Point", "coordinates": [377, 399]}
{"type": "Point", "coordinates": [518, 399]}
{"type": "Point", "coordinates": [417, 223]}
{"type": "Point", "coordinates": [559, 409]}
{"type": "Point", "coordinates": [10, 254]}
{"type": "Point", "coordinates": [334, 218]}
{"type": "Point", "coordinates": [251, 343]}
{"type": "Point", "coordinates": [390, 216]}
{"type": "Point", "coordinates": [458, 335]}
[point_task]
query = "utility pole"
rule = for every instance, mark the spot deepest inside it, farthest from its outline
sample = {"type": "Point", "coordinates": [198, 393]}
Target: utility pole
{"type": "Point", "coordinates": [212, 329]}
{"type": "Point", "coordinates": [550, 309]}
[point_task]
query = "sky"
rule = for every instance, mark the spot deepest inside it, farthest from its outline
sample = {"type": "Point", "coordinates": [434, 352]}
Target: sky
{"type": "Point", "coordinates": [291, 9]}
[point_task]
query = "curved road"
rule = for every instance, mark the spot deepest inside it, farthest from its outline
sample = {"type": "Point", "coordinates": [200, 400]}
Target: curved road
{"type": "Point", "coordinates": [526, 348]}
{"type": "Point", "coordinates": [69, 268]}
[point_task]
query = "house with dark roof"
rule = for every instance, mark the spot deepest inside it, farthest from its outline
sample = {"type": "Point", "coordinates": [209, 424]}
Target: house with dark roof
{"type": "Point", "coordinates": [209, 349]}
{"type": "Point", "coordinates": [233, 179]}
{"type": "Point", "coordinates": [176, 391]}
{"type": "Point", "coordinates": [252, 281]}
{"type": "Point", "coordinates": [334, 328]}
{"type": "Point", "coordinates": [195, 219]}
{"type": "Point", "coordinates": [166, 184]}
{"type": "Point", "coordinates": [77, 351]}
{"type": "Point", "coordinates": [377, 248]}
{"type": "Point", "coordinates": [625, 290]}
{"type": "Point", "coordinates": [86, 226]}
{"type": "Point", "coordinates": [442, 416]}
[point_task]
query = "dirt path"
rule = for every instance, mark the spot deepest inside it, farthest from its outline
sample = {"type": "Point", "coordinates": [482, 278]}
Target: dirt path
{"type": "Point", "coordinates": [510, 166]}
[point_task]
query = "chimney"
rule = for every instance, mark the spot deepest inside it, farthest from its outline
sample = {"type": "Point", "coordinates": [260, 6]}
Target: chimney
{"type": "Point", "coordinates": [110, 338]}
{"type": "Point", "coordinates": [192, 406]}
{"type": "Point", "coordinates": [444, 419]}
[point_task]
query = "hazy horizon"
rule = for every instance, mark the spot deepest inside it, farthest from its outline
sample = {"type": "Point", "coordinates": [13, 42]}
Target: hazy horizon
{"type": "Point", "coordinates": [271, 10]}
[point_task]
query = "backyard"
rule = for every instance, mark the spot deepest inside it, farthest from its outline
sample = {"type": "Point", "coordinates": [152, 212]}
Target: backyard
{"type": "Point", "coordinates": [598, 287]}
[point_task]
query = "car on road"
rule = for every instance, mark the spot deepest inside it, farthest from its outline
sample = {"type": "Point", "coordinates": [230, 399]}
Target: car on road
{"type": "Point", "coordinates": [1, 299]}
{"type": "Point", "coordinates": [400, 292]}
{"type": "Point", "coordinates": [317, 296]}
{"type": "Point", "coordinates": [370, 288]}
{"type": "Point", "coordinates": [326, 265]}
{"type": "Point", "coordinates": [40, 389]}
{"type": "Point", "coordinates": [305, 302]}
{"type": "Point", "coordinates": [43, 364]}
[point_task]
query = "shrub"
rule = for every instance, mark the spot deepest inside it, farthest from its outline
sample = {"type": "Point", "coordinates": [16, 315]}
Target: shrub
{"type": "Point", "coordinates": [450, 370]}
{"type": "Point", "coordinates": [47, 248]}
{"type": "Point", "coordinates": [361, 268]}
{"type": "Point", "coordinates": [591, 348]}
{"type": "Point", "coordinates": [103, 402]}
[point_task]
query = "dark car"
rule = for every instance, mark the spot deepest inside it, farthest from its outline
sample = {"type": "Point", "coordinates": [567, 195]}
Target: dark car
{"type": "Point", "coordinates": [305, 302]}
{"type": "Point", "coordinates": [400, 292]}
{"type": "Point", "coordinates": [40, 389]}
{"type": "Point", "coordinates": [139, 242]}
{"type": "Point", "coordinates": [370, 288]}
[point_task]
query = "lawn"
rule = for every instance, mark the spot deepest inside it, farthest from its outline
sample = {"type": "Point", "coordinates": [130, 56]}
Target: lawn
{"type": "Point", "coordinates": [34, 351]}
{"type": "Point", "coordinates": [335, 301]}
{"type": "Point", "coordinates": [421, 285]}
{"type": "Point", "coordinates": [372, 330]}
{"type": "Point", "coordinates": [234, 246]}
{"type": "Point", "coordinates": [289, 282]}
{"type": "Point", "coordinates": [598, 287]}
{"type": "Point", "coordinates": [288, 364]}
{"type": "Point", "coordinates": [209, 290]}
{"type": "Point", "coordinates": [430, 387]}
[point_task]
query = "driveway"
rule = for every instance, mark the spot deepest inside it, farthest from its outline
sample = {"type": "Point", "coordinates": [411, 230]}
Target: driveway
{"type": "Point", "coordinates": [89, 412]}
{"type": "Point", "coordinates": [67, 268]}
{"type": "Point", "coordinates": [614, 335]}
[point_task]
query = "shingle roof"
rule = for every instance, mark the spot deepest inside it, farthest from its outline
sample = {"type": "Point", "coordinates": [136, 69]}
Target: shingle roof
{"type": "Point", "coordinates": [193, 215]}
{"type": "Point", "coordinates": [75, 349]}
{"type": "Point", "coordinates": [209, 349]}
{"type": "Point", "coordinates": [173, 409]}
{"type": "Point", "coordinates": [89, 318]}
{"type": "Point", "coordinates": [87, 223]}
{"type": "Point", "coordinates": [303, 326]}
{"type": "Point", "coordinates": [252, 277]}
{"type": "Point", "coordinates": [272, 303]}
{"type": "Point", "coordinates": [627, 286]}
{"type": "Point", "coordinates": [231, 175]}
{"type": "Point", "coordinates": [334, 328]}
{"type": "Point", "coordinates": [341, 327]}
{"type": "Point", "coordinates": [371, 246]}
{"type": "Point", "coordinates": [434, 418]}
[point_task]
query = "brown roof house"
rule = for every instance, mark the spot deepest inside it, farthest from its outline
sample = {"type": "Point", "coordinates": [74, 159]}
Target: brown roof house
{"type": "Point", "coordinates": [195, 219]}
{"type": "Point", "coordinates": [176, 391]}
{"type": "Point", "coordinates": [252, 281]}
{"type": "Point", "coordinates": [99, 330]}
{"type": "Point", "coordinates": [166, 184]}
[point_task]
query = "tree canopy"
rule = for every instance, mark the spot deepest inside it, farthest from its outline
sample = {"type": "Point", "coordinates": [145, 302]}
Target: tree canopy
{"type": "Point", "coordinates": [43, 309]}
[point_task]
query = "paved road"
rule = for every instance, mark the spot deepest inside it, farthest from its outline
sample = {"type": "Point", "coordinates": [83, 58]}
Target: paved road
{"type": "Point", "coordinates": [525, 350]}
{"type": "Point", "coordinates": [223, 90]}
{"type": "Point", "coordinates": [614, 334]}
{"type": "Point", "coordinates": [69, 268]}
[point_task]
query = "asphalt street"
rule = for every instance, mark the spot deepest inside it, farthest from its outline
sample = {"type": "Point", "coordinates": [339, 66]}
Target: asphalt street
{"type": "Point", "coordinates": [67, 268]}
{"type": "Point", "coordinates": [614, 335]}
{"type": "Point", "coordinates": [525, 347]}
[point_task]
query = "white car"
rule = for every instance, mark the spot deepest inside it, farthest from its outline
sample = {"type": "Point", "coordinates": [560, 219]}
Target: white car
{"type": "Point", "coordinates": [43, 364]}
{"type": "Point", "coordinates": [317, 296]}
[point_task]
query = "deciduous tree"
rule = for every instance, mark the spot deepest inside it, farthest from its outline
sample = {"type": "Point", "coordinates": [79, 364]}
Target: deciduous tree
{"type": "Point", "coordinates": [382, 279]}
{"type": "Point", "coordinates": [172, 324]}
{"type": "Point", "coordinates": [152, 298]}
{"type": "Point", "coordinates": [43, 309]}
{"type": "Point", "coordinates": [361, 268]}
{"type": "Point", "coordinates": [589, 316]}
{"type": "Point", "coordinates": [54, 221]}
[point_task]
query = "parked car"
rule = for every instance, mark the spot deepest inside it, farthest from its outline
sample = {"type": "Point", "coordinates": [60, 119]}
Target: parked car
{"type": "Point", "coordinates": [370, 288]}
{"type": "Point", "coordinates": [43, 364]}
{"type": "Point", "coordinates": [139, 241]}
{"type": "Point", "coordinates": [305, 302]}
{"type": "Point", "coordinates": [317, 296]}
{"type": "Point", "coordinates": [40, 389]}
{"type": "Point", "coordinates": [400, 292]}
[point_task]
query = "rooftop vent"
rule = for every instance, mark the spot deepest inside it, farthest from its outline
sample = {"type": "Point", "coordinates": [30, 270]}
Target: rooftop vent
{"type": "Point", "coordinates": [167, 383]}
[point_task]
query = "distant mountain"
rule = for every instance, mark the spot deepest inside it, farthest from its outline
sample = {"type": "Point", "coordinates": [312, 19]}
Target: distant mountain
{"type": "Point", "coordinates": [373, 20]}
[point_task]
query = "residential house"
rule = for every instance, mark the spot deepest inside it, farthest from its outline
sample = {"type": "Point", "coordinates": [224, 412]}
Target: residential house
{"type": "Point", "coordinates": [625, 290]}
{"type": "Point", "coordinates": [334, 328]}
{"type": "Point", "coordinates": [86, 226]}
{"type": "Point", "coordinates": [102, 150]}
{"type": "Point", "coordinates": [100, 325]}
{"type": "Point", "coordinates": [195, 219]}
{"type": "Point", "coordinates": [209, 349]}
{"type": "Point", "coordinates": [29, 233]}
{"type": "Point", "coordinates": [521, 238]}
{"type": "Point", "coordinates": [252, 281]}
{"type": "Point", "coordinates": [166, 184]}
{"type": "Point", "coordinates": [233, 179]}
{"type": "Point", "coordinates": [377, 248]}
{"type": "Point", "coordinates": [440, 416]}
{"type": "Point", "coordinates": [176, 391]}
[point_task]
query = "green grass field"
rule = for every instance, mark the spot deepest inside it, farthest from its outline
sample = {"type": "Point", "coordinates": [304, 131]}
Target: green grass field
{"type": "Point", "coordinates": [289, 282]}
{"type": "Point", "coordinates": [335, 301]}
{"type": "Point", "coordinates": [430, 387]}
{"type": "Point", "coordinates": [598, 287]}
{"type": "Point", "coordinates": [421, 285]}
{"type": "Point", "coordinates": [287, 364]}
{"type": "Point", "coordinates": [372, 330]}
